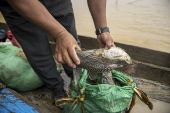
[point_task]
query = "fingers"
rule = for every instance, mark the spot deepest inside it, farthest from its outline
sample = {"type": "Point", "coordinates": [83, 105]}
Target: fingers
{"type": "Point", "coordinates": [105, 40]}
{"type": "Point", "coordinates": [65, 50]}
{"type": "Point", "coordinates": [68, 56]}
{"type": "Point", "coordinates": [68, 59]}
{"type": "Point", "coordinates": [60, 58]}
{"type": "Point", "coordinates": [77, 47]}
{"type": "Point", "coordinates": [109, 44]}
{"type": "Point", "coordinates": [73, 55]}
{"type": "Point", "coordinates": [58, 55]}
{"type": "Point", "coordinates": [113, 45]}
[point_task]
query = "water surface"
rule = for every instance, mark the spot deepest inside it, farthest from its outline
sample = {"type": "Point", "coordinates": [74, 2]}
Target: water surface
{"type": "Point", "coordinates": [144, 23]}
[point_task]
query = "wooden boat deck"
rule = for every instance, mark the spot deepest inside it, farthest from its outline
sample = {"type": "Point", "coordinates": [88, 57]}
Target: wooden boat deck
{"type": "Point", "coordinates": [153, 76]}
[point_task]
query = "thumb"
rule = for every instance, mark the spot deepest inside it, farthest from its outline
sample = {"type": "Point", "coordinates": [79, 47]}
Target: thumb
{"type": "Point", "coordinates": [108, 45]}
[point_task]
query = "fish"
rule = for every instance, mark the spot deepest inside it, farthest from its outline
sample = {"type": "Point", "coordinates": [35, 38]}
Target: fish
{"type": "Point", "coordinates": [99, 60]}
{"type": "Point", "coordinates": [115, 54]}
{"type": "Point", "coordinates": [93, 64]}
{"type": "Point", "coordinates": [112, 54]}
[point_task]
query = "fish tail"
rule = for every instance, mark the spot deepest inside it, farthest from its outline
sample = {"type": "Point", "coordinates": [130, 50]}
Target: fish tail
{"type": "Point", "coordinates": [130, 69]}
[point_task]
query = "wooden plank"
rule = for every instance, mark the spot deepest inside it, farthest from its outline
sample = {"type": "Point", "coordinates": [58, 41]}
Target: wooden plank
{"type": "Point", "coordinates": [14, 102]}
{"type": "Point", "coordinates": [154, 90]}
{"type": "Point", "coordinates": [154, 73]}
{"type": "Point", "coordinates": [3, 110]}
{"type": "Point", "coordinates": [136, 53]}
{"type": "Point", "coordinates": [42, 97]}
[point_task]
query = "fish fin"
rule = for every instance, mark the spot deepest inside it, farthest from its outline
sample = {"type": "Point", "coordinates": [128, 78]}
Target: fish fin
{"type": "Point", "coordinates": [107, 78]}
{"type": "Point", "coordinates": [90, 52]}
{"type": "Point", "coordinates": [76, 74]}
{"type": "Point", "coordinates": [94, 57]}
{"type": "Point", "coordinates": [143, 97]}
{"type": "Point", "coordinates": [92, 74]}
{"type": "Point", "coordinates": [130, 69]}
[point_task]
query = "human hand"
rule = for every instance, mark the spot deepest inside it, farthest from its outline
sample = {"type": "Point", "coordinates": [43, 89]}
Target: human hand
{"type": "Point", "coordinates": [65, 46]}
{"type": "Point", "coordinates": [105, 40]}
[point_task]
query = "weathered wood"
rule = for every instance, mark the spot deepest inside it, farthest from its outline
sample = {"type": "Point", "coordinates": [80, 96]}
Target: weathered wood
{"type": "Point", "coordinates": [12, 101]}
{"type": "Point", "coordinates": [136, 53]}
{"type": "Point", "coordinates": [42, 98]}
{"type": "Point", "coordinates": [153, 89]}
{"type": "Point", "coordinates": [154, 73]}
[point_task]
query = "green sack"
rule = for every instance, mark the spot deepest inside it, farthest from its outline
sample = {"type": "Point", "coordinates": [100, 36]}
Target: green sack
{"type": "Point", "coordinates": [16, 72]}
{"type": "Point", "coordinates": [103, 98]}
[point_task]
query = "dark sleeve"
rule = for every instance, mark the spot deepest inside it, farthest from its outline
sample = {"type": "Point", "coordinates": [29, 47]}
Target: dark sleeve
{"type": "Point", "coordinates": [4, 6]}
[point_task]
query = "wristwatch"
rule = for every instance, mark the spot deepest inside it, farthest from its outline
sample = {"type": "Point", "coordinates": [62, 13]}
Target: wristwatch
{"type": "Point", "coordinates": [102, 30]}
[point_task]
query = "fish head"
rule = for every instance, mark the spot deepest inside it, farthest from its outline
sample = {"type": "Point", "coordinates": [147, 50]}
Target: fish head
{"type": "Point", "coordinates": [128, 59]}
{"type": "Point", "coordinates": [116, 53]}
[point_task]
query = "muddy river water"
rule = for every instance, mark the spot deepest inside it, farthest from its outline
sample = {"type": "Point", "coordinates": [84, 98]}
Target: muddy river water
{"type": "Point", "coordinates": [144, 23]}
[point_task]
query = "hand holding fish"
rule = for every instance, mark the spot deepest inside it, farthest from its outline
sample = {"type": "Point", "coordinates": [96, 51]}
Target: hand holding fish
{"type": "Point", "coordinates": [65, 49]}
{"type": "Point", "coordinates": [105, 40]}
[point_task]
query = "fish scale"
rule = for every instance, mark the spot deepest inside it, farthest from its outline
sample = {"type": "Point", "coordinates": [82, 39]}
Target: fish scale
{"type": "Point", "coordinates": [92, 64]}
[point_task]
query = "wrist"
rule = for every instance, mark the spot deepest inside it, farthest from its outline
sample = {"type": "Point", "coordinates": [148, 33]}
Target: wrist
{"type": "Point", "coordinates": [102, 30]}
{"type": "Point", "coordinates": [103, 35]}
{"type": "Point", "coordinates": [60, 34]}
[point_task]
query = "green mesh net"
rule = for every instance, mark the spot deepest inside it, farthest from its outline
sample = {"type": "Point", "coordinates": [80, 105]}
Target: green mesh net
{"type": "Point", "coordinates": [103, 98]}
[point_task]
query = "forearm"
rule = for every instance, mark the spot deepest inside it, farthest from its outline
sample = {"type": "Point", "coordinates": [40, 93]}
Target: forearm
{"type": "Point", "coordinates": [98, 12]}
{"type": "Point", "coordinates": [35, 12]}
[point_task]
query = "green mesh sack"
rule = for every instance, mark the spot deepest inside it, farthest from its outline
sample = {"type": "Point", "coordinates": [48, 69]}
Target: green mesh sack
{"type": "Point", "coordinates": [16, 72]}
{"type": "Point", "coordinates": [103, 98]}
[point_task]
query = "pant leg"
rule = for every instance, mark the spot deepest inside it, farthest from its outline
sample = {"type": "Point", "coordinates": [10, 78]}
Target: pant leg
{"type": "Point", "coordinates": [62, 11]}
{"type": "Point", "coordinates": [34, 43]}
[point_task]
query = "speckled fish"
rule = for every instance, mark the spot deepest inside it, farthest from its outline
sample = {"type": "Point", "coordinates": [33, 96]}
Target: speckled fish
{"type": "Point", "coordinates": [93, 64]}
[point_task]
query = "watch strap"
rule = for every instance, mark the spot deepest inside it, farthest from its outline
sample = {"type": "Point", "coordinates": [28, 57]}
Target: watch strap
{"type": "Point", "coordinates": [102, 30]}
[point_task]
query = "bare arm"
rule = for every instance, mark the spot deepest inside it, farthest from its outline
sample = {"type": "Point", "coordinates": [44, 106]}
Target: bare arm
{"type": "Point", "coordinates": [98, 12]}
{"type": "Point", "coordinates": [35, 12]}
